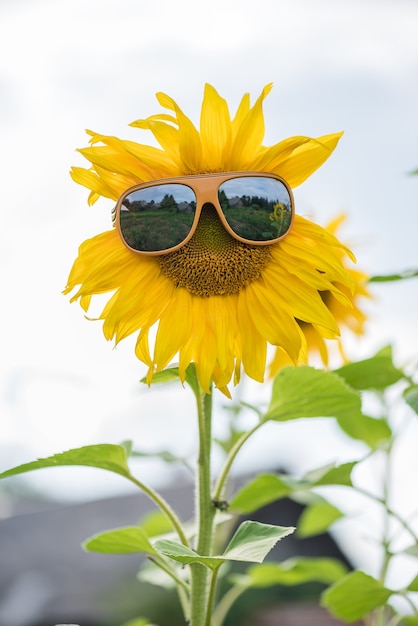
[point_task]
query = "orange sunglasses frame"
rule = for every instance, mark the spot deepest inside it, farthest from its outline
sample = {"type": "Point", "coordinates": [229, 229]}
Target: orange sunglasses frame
{"type": "Point", "coordinates": [205, 187]}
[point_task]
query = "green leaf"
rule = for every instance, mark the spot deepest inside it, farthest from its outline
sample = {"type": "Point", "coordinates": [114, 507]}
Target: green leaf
{"type": "Point", "coordinates": [373, 431]}
{"type": "Point", "coordinates": [155, 523]}
{"type": "Point", "coordinates": [377, 372]}
{"type": "Point", "coordinates": [296, 571]}
{"type": "Point", "coordinates": [264, 489]}
{"type": "Point", "coordinates": [253, 541]}
{"type": "Point", "coordinates": [331, 475]}
{"type": "Point", "coordinates": [317, 518]}
{"type": "Point", "coordinates": [306, 392]}
{"type": "Point", "coordinates": [410, 620]}
{"type": "Point", "coordinates": [164, 455]}
{"type": "Point", "coordinates": [267, 488]}
{"type": "Point", "coordinates": [411, 397]}
{"type": "Point", "coordinates": [355, 596]}
{"type": "Point", "coordinates": [413, 585]}
{"type": "Point", "coordinates": [103, 456]}
{"type": "Point", "coordinates": [153, 575]}
{"type": "Point", "coordinates": [182, 554]}
{"type": "Point", "coordinates": [383, 278]}
{"type": "Point", "coordinates": [127, 540]}
{"type": "Point", "coordinates": [227, 444]}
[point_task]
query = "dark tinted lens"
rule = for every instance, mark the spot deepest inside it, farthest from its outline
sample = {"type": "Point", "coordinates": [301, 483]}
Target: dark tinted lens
{"type": "Point", "coordinates": [256, 207]}
{"type": "Point", "coordinates": [157, 218]}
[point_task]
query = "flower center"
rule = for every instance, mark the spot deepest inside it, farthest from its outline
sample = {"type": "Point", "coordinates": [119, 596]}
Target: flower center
{"type": "Point", "coordinates": [212, 262]}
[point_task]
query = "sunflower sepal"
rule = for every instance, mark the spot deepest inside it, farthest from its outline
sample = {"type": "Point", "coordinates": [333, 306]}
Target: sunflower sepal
{"type": "Point", "coordinates": [167, 375]}
{"type": "Point", "coordinates": [173, 373]}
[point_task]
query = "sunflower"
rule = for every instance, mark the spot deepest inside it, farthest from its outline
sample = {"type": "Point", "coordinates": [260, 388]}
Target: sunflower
{"type": "Point", "coordinates": [216, 301]}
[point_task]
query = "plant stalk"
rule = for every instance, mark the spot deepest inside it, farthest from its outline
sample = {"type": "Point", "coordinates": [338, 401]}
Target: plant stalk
{"type": "Point", "coordinates": [200, 575]}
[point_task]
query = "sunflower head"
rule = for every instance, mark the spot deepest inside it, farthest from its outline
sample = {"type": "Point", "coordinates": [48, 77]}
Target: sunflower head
{"type": "Point", "coordinates": [216, 301]}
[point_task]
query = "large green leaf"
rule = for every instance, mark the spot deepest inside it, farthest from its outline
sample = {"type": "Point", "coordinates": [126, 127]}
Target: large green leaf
{"type": "Point", "coordinates": [317, 518]}
{"type": "Point", "coordinates": [110, 457]}
{"type": "Point", "coordinates": [127, 540]}
{"type": "Point", "coordinates": [251, 542]}
{"type": "Point", "coordinates": [377, 372]}
{"type": "Point", "coordinates": [295, 571]}
{"type": "Point", "coordinates": [355, 596]}
{"type": "Point", "coordinates": [306, 392]}
{"type": "Point", "coordinates": [264, 489]}
{"type": "Point", "coordinates": [267, 488]}
{"type": "Point", "coordinates": [410, 620]}
{"type": "Point", "coordinates": [373, 431]}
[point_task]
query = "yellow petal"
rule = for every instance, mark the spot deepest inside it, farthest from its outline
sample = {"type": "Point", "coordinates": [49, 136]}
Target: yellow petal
{"type": "Point", "coordinates": [273, 323]}
{"type": "Point", "coordinates": [189, 139]}
{"type": "Point", "coordinates": [89, 179]}
{"type": "Point", "coordinates": [215, 129]}
{"type": "Point", "coordinates": [299, 299]}
{"type": "Point", "coordinates": [168, 138]}
{"type": "Point", "coordinates": [249, 135]}
{"type": "Point", "coordinates": [177, 315]}
{"type": "Point", "coordinates": [254, 345]}
{"type": "Point", "coordinates": [306, 159]}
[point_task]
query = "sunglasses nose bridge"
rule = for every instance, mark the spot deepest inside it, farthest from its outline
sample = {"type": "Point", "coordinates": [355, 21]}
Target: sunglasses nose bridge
{"type": "Point", "coordinates": [207, 194]}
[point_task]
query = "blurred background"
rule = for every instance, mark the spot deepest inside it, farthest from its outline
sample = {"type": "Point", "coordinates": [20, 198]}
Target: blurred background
{"type": "Point", "coordinates": [67, 66]}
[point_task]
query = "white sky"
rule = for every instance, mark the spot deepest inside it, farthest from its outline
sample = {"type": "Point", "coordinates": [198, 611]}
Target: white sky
{"type": "Point", "coordinates": [65, 66]}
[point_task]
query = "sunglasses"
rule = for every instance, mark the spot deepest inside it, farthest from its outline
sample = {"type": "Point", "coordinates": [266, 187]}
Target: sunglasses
{"type": "Point", "coordinates": [161, 216]}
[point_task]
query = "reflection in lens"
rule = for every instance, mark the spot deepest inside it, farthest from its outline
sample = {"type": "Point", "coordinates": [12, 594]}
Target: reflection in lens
{"type": "Point", "coordinates": [157, 218]}
{"type": "Point", "coordinates": [257, 208]}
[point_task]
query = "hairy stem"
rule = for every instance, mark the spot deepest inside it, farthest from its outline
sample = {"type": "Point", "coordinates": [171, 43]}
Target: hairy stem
{"type": "Point", "coordinates": [164, 507]}
{"type": "Point", "coordinates": [225, 604]}
{"type": "Point", "coordinates": [221, 482]}
{"type": "Point", "coordinates": [205, 513]}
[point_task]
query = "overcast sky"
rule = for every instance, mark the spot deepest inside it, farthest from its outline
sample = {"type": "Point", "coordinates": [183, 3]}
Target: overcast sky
{"type": "Point", "coordinates": [66, 66]}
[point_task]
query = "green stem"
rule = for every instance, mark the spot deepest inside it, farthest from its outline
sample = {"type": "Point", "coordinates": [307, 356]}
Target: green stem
{"type": "Point", "coordinates": [200, 574]}
{"type": "Point", "coordinates": [390, 511]}
{"type": "Point", "coordinates": [183, 589]}
{"type": "Point", "coordinates": [211, 597]}
{"type": "Point", "coordinates": [387, 554]}
{"type": "Point", "coordinates": [164, 507]}
{"type": "Point", "coordinates": [225, 604]}
{"type": "Point", "coordinates": [218, 493]}
{"type": "Point", "coordinates": [159, 562]}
